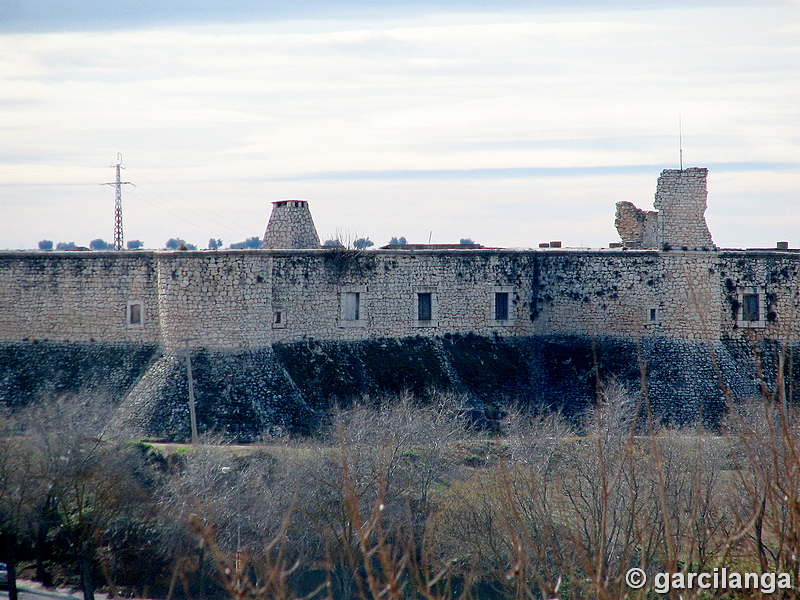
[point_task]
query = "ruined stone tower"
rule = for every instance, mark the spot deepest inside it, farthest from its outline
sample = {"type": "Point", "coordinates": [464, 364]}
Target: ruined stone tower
{"type": "Point", "coordinates": [680, 200]}
{"type": "Point", "coordinates": [679, 222]}
{"type": "Point", "coordinates": [290, 226]}
{"type": "Point", "coordinates": [638, 228]}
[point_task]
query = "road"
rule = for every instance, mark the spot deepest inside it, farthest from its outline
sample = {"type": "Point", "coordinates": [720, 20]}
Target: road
{"type": "Point", "coordinates": [26, 594]}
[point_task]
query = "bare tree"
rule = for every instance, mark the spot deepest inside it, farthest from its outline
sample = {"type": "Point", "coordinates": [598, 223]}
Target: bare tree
{"type": "Point", "coordinates": [21, 493]}
{"type": "Point", "coordinates": [88, 471]}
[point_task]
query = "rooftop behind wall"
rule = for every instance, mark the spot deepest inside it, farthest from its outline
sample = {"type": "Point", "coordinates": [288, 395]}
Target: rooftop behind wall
{"type": "Point", "coordinates": [290, 226]}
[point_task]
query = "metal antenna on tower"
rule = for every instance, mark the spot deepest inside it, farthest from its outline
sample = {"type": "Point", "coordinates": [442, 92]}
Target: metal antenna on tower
{"type": "Point", "coordinates": [680, 140]}
{"type": "Point", "coordinates": [118, 204]}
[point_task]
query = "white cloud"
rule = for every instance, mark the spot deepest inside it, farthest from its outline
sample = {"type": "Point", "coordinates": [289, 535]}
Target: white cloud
{"type": "Point", "coordinates": [232, 117]}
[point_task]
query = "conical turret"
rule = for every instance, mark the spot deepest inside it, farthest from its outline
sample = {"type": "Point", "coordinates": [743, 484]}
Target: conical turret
{"type": "Point", "coordinates": [290, 226]}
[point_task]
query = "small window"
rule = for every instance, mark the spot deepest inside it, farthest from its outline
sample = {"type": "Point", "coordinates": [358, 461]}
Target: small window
{"type": "Point", "coordinates": [278, 319]}
{"type": "Point", "coordinates": [352, 306]}
{"type": "Point", "coordinates": [425, 309]}
{"type": "Point", "coordinates": [424, 306]}
{"type": "Point", "coordinates": [652, 315]}
{"type": "Point", "coordinates": [750, 307]}
{"type": "Point", "coordinates": [135, 314]}
{"type": "Point", "coordinates": [501, 306]}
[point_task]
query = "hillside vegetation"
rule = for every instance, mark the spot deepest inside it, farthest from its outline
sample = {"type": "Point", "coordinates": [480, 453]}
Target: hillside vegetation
{"type": "Point", "coordinates": [402, 500]}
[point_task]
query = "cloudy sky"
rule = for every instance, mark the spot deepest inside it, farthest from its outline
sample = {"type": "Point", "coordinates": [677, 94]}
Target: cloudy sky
{"type": "Point", "coordinates": [508, 122]}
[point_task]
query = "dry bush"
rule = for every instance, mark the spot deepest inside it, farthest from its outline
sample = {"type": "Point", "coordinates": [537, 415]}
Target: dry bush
{"type": "Point", "coordinates": [533, 438]}
{"type": "Point", "coordinates": [243, 500]}
{"type": "Point", "coordinates": [570, 520]}
{"type": "Point", "coordinates": [408, 443]}
{"type": "Point", "coordinates": [391, 455]}
{"type": "Point", "coordinates": [83, 477]}
{"type": "Point", "coordinates": [768, 483]}
{"type": "Point", "coordinates": [340, 511]}
{"type": "Point", "coordinates": [383, 508]}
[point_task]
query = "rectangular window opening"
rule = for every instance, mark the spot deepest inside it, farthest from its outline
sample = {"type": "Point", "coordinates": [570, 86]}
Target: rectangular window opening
{"type": "Point", "coordinates": [501, 306]}
{"type": "Point", "coordinates": [653, 315]}
{"type": "Point", "coordinates": [278, 319]}
{"type": "Point", "coordinates": [750, 307]}
{"type": "Point", "coordinates": [134, 314]}
{"type": "Point", "coordinates": [424, 306]}
{"type": "Point", "coordinates": [352, 306]}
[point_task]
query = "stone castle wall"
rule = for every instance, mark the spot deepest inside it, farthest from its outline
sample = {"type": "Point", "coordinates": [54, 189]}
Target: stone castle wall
{"type": "Point", "coordinates": [78, 296]}
{"type": "Point", "coordinates": [242, 299]}
{"type": "Point", "coordinates": [629, 294]}
{"type": "Point", "coordinates": [295, 290]}
{"type": "Point", "coordinates": [637, 228]}
{"type": "Point", "coordinates": [276, 334]}
{"type": "Point", "coordinates": [215, 299]}
{"type": "Point", "coordinates": [678, 223]}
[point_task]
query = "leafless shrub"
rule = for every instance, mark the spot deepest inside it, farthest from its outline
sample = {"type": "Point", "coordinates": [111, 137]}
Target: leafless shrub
{"type": "Point", "coordinates": [533, 438]}
{"type": "Point", "coordinates": [297, 512]}
{"type": "Point", "coordinates": [768, 483]}
{"type": "Point", "coordinates": [390, 455]}
{"type": "Point", "coordinates": [345, 238]}
{"type": "Point", "coordinates": [85, 472]}
{"type": "Point", "coordinates": [598, 505]}
{"type": "Point", "coordinates": [242, 499]}
{"type": "Point", "coordinates": [383, 560]}
{"type": "Point", "coordinates": [411, 442]}
{"type": "Point", "coordinates": [385, 506]}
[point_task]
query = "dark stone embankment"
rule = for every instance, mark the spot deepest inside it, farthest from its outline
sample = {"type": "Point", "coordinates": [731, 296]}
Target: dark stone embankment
{"type": "Point", "coordinates": [289, 387]}
{"type": "Point", "coordinates": [37, 370]}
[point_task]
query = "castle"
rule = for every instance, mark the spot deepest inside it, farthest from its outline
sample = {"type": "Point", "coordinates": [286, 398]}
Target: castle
{"type": "Point", "coordinates": [277, 333]}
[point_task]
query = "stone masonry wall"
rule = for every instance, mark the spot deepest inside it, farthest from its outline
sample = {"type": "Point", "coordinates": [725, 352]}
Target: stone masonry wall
{"type": "Point", "coordinates": [215, 299]}
{"type": "Point", "coordinates": [575, 317]}
{"type": "Point", "coordinates": [78, 296]}
{"type": "Point", "coordinates": [310, 291]}
{"type": "Point", "coordinates": [773, 278]}
{"type": "Point", "coordinates": [241, 299]}
{"type": "Point", "coordinates": [637, 228]}
{"type": "Point", "coordinates": [290, 226]}
{"type": "Point", "coordinates": [681, 197]}
{"type": "Point", "coordinates": [278, 334]}
{"type": "Point", "coordinates": [250, 299]}
{"type": "Point", "coordinates": [629, 294]}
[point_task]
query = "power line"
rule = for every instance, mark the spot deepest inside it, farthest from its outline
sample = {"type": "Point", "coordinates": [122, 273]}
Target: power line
{"type": "Point", "coordinates": [196, 209]}
{"type": "Point", "coordinates": [179, 215]}
{"type": "Point", "coordinates": [232, 225]}
{"type": "Point", "coordinates": [39, 184]}
{"type": "Point", "coordinates": [172, 214]}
